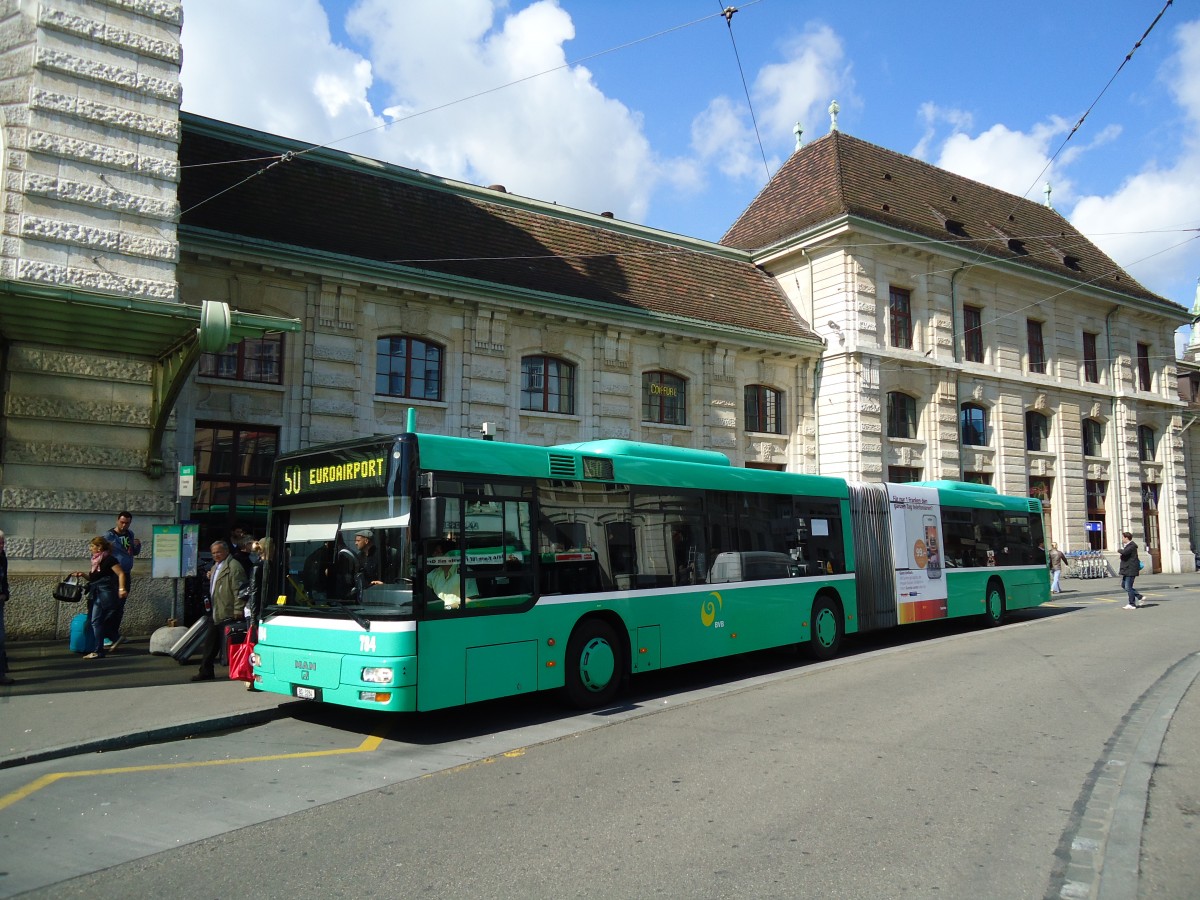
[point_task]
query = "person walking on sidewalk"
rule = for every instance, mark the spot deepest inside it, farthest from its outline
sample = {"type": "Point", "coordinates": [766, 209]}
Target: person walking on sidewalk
{"type": "Point", "coordinates": [106, 581]}
{"type": "Point", "coordinates": [1057, 558]}
{"type": "Point", "coordinates": [1130, 566]}
{"type": "Point", "coordinates": [4, 679]}
{"type": "Point", "coordinates": [125, 546]}
{"type": "Point", "coordinates": [225, 583]}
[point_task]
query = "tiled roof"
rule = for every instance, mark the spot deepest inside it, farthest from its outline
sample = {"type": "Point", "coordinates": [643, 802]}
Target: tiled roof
{"type": "Point", "coordinates": [336, 203]}
{"type": "Point", "coordinates": [839, 175]}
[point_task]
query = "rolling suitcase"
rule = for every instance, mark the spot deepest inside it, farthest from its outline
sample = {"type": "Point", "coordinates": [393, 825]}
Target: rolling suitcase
{"type": "Point", "coordinates": [192, 641]}
{"type": "Point", "coordinates": [82, 638]}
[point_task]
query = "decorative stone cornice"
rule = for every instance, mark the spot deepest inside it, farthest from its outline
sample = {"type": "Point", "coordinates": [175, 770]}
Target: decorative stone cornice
{"type": "Point", "coordinates": [54, 500]}
{"type": "Point", "coordinates": [107, 75]}
{"type": "Point", "coordinates": [89, 455]}
{"type": "Point", "coordinates": [102, 33]}
{"type": "Point", "coordinates": [102, 155]}
{"type": "Point", "coordinates": [61, 232]}
{"type": "Point", "coordinates": [93, 280]}
{"type": "Point", "coordinates": [106, 198]}
{"type": "Point", "coordinates": [106, 116]}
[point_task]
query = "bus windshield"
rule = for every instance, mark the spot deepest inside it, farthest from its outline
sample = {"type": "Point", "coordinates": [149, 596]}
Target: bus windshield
{"type": "Point", "coordinates": [349, 555]}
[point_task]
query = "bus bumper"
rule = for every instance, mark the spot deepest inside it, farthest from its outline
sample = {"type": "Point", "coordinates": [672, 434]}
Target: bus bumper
{"type": "Point", "coordinates": [366, 682]}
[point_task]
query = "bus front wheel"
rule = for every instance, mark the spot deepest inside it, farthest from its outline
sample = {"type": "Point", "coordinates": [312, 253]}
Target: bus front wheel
{"type": "Point", "coordinates": [594, 665]}
{"type": "Point", "coordinates": [825, 636]}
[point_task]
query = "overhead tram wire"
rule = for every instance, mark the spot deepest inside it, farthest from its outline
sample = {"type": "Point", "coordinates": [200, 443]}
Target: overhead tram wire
{"type": "Point", "coordinates": [1087, 112]}
{"type": "Point", "coordinates": [293, 154]}
{"type": "Point", "coordinates": [728, 13]}
{"type": "Point", "coordinates": [1103, 91]}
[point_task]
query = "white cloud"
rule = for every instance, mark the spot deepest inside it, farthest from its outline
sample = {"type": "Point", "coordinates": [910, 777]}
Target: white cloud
{"type": "Point", "coordinates": [799, 89]}
{"type": "Point", "coordinates": [555, 137]}
{"type": "Point", "coordinates": [1014, 161]}
{"type": "Point", "coordinates": [721, 136]}
{"type": "Point", "coordinates": [1140, 224]}
{"type": "Point", "coordinates": [278, 70]}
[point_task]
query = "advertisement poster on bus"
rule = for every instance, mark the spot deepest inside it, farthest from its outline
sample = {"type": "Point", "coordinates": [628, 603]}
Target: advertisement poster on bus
{"type": "Point", "coordinates": [917, 550]}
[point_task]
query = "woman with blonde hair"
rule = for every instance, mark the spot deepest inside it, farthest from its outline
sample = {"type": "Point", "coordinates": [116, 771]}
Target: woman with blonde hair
{"type": "Point", "coordinates": [108, 589]}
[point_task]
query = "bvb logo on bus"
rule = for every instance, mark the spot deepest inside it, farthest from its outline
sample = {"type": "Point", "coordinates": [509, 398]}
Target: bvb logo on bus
{"type": "Point", "coordinates": [708, 611]}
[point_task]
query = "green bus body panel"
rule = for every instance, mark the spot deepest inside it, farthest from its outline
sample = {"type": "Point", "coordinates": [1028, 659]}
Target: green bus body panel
{"type": "Point", "coordinates": [643, 464]}
{"type": "Point", "coordinates": [673, 628]}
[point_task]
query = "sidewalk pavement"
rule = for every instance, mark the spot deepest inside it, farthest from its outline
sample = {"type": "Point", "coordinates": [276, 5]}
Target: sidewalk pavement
{"type": "Point", "coordinates": [63, 704]}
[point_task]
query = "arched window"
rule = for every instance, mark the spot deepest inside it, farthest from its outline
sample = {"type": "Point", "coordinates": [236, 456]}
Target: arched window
{"type": "Point", "coordinates": [1093, 437]}
{"type": "Point", "coordinates": [901, 415]}
{"type": "Point", "coordinates": [1037, 432]}
{"type": "Point", "coordinates": [764, 409]}
{"type": "Point", "coordinates": [664, 399]}
{"type": "Point", "coordinates": [972, 423]}
{"type": "Point", "coordinates": [408, 367]}
{"type": "Point", "coordinates": [547, 385]}
{"type": "Point", "coordinates": [1146, 443]}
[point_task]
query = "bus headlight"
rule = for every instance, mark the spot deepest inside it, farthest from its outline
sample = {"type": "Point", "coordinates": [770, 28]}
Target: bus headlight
{"type": "Point", "coordinates": [255, 660]}
{"type": "Point", "coordinates": [378, 674]}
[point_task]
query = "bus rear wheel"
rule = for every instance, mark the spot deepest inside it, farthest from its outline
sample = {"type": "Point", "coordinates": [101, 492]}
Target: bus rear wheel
{"type": "Point", "coordinates": [595, 664]}
{"type": "Point", "coordinates": [825, 635]}
{"type": "Point", "coordinates": [993, 605]}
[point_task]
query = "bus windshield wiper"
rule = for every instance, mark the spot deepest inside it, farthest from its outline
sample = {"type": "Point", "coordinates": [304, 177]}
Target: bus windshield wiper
{"type": "Point", "coordinates": [358, 617]}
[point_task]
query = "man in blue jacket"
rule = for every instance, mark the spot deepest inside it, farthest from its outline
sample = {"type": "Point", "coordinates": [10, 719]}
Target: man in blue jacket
{"type": "Point", "coordinates": [125, 546]}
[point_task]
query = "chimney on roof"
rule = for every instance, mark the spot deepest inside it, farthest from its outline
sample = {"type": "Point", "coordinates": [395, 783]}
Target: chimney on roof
{"type": "Point", "coordinates": [799, 133]}
{"type": "Point", "coordinates": [606, 214]}
{"type": "Point", "coordinates": [498, 188]}
{"type": "Point", "coordinates": [834, 109]}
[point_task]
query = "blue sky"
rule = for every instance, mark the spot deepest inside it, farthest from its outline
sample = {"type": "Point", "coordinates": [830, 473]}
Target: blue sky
{"type": "Point", "coordinates": [642, 111]}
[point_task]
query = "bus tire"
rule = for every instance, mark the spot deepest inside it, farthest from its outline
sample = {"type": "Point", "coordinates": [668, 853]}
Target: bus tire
{"type": "Point", "coordinates": [825, 635]}
{"type": "Point", "coordinates": [595, 665]}
{"type": "Point", "coordinates": [993, 605]}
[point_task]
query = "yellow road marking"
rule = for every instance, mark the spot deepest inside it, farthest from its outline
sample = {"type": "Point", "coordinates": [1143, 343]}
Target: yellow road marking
{"type": "Point", "coordinates": [485, 761]}
{"type": "Point", "coordinates": [369, 745]}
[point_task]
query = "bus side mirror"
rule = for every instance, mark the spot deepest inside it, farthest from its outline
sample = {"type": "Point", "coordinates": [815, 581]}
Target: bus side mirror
{"type": "Point", "coordinates": [433, 516]}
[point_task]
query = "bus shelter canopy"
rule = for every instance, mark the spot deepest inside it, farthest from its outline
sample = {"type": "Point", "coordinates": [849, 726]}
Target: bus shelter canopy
{"type": "Point", "coordinates": [75, 320]}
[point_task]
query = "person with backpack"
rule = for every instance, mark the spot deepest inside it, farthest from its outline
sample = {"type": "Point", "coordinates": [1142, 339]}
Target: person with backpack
{"type": "Point", "coordinates": [125, 546]}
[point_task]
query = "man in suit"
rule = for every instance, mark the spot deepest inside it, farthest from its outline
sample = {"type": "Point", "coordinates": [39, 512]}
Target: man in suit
{"type": "Point", "coordinates": [225, 582]}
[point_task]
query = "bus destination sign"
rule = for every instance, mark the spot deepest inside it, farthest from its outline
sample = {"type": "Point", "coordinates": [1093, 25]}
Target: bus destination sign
{"type": "Point", "coordinates": [330, 475]}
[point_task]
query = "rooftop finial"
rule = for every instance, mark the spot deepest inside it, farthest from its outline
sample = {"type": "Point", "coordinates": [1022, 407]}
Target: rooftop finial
{"type": "Point", "coordinates": [1046, 191]}
{"type": "Point", "coordinates": [799, 133]}
{"type": "Point", "coordinates": [834, 109]}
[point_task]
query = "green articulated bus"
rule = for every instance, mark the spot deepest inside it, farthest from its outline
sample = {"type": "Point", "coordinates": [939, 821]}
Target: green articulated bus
{"type": "Point", "coordinates": [418, 571]}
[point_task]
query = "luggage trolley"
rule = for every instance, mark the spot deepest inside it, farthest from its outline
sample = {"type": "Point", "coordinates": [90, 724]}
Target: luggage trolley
{"type": "Point", "coordinates": [1088, 564]}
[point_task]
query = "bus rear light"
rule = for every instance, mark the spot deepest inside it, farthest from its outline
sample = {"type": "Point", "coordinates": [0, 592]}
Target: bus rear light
{"type": "Point", "coordinates": [378, 674]}
{"type": "Point", "coordinates": [374, 696]}
{"type": "Point", "coordinates": [549, 642]}
{"type": "Point", "coordinates": [550, 664]}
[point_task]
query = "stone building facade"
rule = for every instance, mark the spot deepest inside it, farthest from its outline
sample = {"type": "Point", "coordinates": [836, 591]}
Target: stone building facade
{"type": "Point", "coordinates": [974, 335]}
{"type": "Point", "coordinates": [94, 340]}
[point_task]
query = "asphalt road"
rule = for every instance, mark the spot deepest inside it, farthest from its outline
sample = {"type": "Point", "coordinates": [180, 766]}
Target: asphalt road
{"type": "Point", "coordinates": [963, 764]}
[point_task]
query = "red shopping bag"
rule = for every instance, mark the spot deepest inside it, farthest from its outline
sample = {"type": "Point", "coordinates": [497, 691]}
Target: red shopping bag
{"type": "Point", "coordinates": [239, 639]}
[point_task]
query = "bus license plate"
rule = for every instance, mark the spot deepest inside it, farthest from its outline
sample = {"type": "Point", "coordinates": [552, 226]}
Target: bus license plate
{"type": "Point", "coordinates": [306, 693]}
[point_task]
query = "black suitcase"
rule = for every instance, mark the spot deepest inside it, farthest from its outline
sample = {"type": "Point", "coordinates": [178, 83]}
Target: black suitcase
{"type": "Point", "coordinates": [192, 642]}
